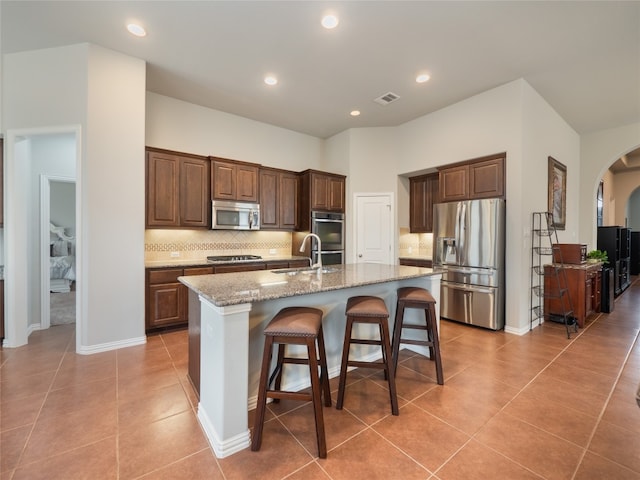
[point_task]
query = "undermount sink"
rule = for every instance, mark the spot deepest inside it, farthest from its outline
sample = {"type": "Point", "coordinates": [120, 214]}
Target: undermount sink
{"type": "Point", "coordinates": [304, 270]}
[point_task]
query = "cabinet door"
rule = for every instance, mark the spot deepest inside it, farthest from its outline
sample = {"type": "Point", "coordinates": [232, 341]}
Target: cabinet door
{"type": "Point", "coordinates": [454, 183]}
{"type": "Point", "coordinates": [163, 173]}
{"type": "Point", "coordinates": [166, 305]}
{"type": "Point", "coordinates": [423, 194]}
{"type": "Point", "coordinates": [417, 200]}
{"type": "Point", "coordinates": [597, 292]}
{"type": "Point", "coordinates": [247, 183]}
{"type": "Point", "coordinates": [288, 203]}
{"type": "Point", "coordinates": [319, 192]}
{"type": "Point", "coordinates": [336, 194]}
{"type": "Point", "coordinates": [194, 194]}
{"type": "Point", "coordinates": [486, 179]}
{"type": "Point", "coordinates": [588, 296]}
{"type": "Point", "coordinates": [269, 208]}
{"type": "Point", "coordinates": [224, 181]}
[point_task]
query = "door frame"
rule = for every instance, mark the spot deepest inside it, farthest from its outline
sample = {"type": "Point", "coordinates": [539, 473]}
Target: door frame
{"type": "Point", "coordinates": [18, 279]}
{"type": "Point", "coordinates": [388, 196]}
{"type": "Point", "coordinates": [45, 219]}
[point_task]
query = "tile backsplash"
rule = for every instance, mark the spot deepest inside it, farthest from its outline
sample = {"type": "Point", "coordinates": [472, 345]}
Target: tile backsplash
{"type": "Point", "coordinates": [415, 244]}
{"type": "Point", "coordinates": [198, 244]}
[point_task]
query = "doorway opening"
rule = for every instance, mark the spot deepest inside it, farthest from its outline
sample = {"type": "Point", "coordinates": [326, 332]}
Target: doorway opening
{"type": "Point", "coordinates": [31, 154]}
{"type": "Point", "coordinates": [57, 250]}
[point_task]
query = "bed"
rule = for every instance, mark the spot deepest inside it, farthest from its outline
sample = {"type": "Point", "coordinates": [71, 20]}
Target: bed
{"type": "Point", "coordinates": [62, 261]}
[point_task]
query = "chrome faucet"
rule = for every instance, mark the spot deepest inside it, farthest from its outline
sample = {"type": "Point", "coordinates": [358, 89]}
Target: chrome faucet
{"type": "Point", "coordinates": [318, 264]}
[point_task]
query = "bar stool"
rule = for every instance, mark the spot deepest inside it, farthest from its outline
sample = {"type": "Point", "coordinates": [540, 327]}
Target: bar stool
{"type": "Point", "coordinates": [415, 297]}
{"type": "Point", "coordinates": [368, 309]}
{"type": "Point", "coordinates": [294, 326]}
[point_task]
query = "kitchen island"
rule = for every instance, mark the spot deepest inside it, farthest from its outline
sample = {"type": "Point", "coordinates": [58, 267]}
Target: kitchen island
{"type": "Point", "coordinates": [228, 313]}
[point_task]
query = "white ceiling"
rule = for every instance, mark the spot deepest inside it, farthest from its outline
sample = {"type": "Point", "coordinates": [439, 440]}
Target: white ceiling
{"type": "Point", "coordinates": [582, 57]}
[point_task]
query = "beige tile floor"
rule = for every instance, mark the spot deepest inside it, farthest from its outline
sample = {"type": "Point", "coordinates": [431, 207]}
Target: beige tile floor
{"type": "Point", "coordinates": [536, 406]}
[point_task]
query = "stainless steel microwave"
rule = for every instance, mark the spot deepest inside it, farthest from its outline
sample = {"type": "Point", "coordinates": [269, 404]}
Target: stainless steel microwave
{"type": "Point", "coordinates": [234, 215]}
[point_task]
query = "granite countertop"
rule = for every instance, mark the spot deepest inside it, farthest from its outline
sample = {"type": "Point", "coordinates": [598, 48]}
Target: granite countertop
{"type": "Point", "coordinates": [579, 266]}
{"type": "Point", "coordinates": [247, 287]}
{"type": "Point", "coordinates": [183, 262]}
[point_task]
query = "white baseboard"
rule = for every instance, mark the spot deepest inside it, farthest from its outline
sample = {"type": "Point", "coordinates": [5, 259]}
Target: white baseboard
{"type": "Point", "coordinates": [105, 347]}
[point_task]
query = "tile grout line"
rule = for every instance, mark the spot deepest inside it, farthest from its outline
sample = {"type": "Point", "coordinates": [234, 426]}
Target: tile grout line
{"type": "Point", "coordinates": [473, 436]}
{"type": "Point", "coordinates": [53, 379]}
{"type": "Point", "coordinates": [606, 403]}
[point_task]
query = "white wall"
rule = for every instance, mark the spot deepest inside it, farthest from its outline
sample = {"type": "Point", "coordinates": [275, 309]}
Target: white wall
{"type": "Point", "coordinates": [371, 168]}
{"type": "Point", "coordinates": [512, 118]}
{"type": "Point", "coordinates": [101, 94]}
{"type": "Point", "coordinates": [185, 127]}
{"type": "Point", "coordinates": [113, 179]}
{"type": "Point", "coordinates": [598, 152]}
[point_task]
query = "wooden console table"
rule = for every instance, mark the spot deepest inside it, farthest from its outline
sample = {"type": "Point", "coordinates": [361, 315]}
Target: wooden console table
{"type": "Point", "coordinates": [584, 283]}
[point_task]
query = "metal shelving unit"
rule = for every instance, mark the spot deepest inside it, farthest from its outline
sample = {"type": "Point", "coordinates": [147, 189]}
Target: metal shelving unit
{"type": "Point", "coordinates": [543, 239]}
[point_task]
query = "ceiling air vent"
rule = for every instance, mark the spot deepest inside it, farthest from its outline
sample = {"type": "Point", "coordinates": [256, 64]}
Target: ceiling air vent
{"type": "Point", "coordinates": [387, 98]}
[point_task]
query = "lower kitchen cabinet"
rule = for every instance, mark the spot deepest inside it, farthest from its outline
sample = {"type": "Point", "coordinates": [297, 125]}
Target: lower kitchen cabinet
{"type": "Point", "coordinates": [584, 285]}
{"type": "Point", "coordinates": [415, 262]}
{"type": "Point", "coordinates": [167, 303]}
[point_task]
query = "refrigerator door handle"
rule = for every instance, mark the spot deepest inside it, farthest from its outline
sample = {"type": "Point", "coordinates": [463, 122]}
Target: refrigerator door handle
{"type": "Point", "coordinates": [458, 233]}
{"type": "Point", "coordinates": [463, 234]}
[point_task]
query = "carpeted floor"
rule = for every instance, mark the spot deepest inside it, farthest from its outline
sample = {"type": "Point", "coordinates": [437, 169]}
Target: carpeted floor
{"type": "Point", "coordinates": [63, 308]}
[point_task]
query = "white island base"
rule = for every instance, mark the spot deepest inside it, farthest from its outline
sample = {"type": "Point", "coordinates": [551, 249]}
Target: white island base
{"type": "Point", "coordinates": [231, 344]}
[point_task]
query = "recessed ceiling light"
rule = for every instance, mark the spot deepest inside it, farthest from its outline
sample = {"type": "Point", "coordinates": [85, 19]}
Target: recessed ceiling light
{"type": "Point", "coordinates": [136, 30]}
{"type": "Point", "coordinates": [355, 113]}
{"type": "Point", "coordinates": [270, 80]}
{"type": "Point", "coordinates": [330, 21]}
{"type": "Point", "coordinates": [423, 77]}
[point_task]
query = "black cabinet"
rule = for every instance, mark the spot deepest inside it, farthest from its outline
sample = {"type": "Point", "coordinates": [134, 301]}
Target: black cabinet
{"type": "Point", "coordinates": [634, 266]}
{"type": "Point", "coordinates": [616, 241]}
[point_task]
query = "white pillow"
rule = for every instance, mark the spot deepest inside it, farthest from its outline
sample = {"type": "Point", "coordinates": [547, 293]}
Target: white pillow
{"type": "Point", "coordinates": [60, 248]}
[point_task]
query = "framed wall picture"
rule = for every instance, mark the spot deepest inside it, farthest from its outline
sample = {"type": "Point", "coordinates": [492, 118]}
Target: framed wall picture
{"type": "Point", "coordinates": [557, 202]}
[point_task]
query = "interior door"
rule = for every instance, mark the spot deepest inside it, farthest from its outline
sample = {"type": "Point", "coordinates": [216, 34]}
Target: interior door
{"type": "Point", "coordinates": [374, 227]}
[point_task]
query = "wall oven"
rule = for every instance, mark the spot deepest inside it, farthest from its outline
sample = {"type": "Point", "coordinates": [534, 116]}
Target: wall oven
{"type": "Point", "coordinates": [330, 228]}
{"type": "Point", "coordinates": [329, 257]}
{"type": "Point", "coordinates": [234, 215]}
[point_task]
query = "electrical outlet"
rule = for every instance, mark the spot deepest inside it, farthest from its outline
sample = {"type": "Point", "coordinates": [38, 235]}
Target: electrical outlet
{"type": "Point", "coordinates": [272, 251]}
{"type": "Point", "coordinates": [410, 250]}
{"type": "Point", "coordinates": [175, 254]}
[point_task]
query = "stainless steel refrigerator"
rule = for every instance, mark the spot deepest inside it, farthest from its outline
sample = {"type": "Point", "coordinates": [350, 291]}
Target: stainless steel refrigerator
{"type": "Point", "coordinates": [469, 249]}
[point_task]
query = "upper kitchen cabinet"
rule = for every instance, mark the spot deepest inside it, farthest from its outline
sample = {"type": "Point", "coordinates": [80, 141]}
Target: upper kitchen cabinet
{"type": "Point", "coordinates": [233, 180]}
{"type": "Point", "coordinates": [480, 178]}
{"type": "Point", "coordinates": [177, 189]}
{"type": "Point", "coordinates": [423, 194]}
{"type": "Point", "coordinates": [279, 193]}
{"type": "Point", "coordinates": [323, 191]}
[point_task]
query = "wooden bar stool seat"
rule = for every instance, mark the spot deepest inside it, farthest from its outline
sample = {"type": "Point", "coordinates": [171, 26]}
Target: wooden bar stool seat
{"type": "Point", "coordinates": [294, 326]}
{"type": "Point", "coordinates": [415, 297]}
{"type": "Point", "coordinates": [368, 309]}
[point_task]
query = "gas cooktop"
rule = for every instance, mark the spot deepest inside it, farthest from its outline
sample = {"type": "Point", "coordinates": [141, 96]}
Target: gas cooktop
{"type": "Point", "coordinates": [233, 258]}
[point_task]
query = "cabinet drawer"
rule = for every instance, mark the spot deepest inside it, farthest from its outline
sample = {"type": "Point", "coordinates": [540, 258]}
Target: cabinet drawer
{"type": "Point", "coordinates": [277, 264]}
{"type": "Point", "coordinates": [164, 276]}
{"type": "Point", "coordinates": [240, 268]}
{"type": "Point", "coordinates": [198, 271]}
